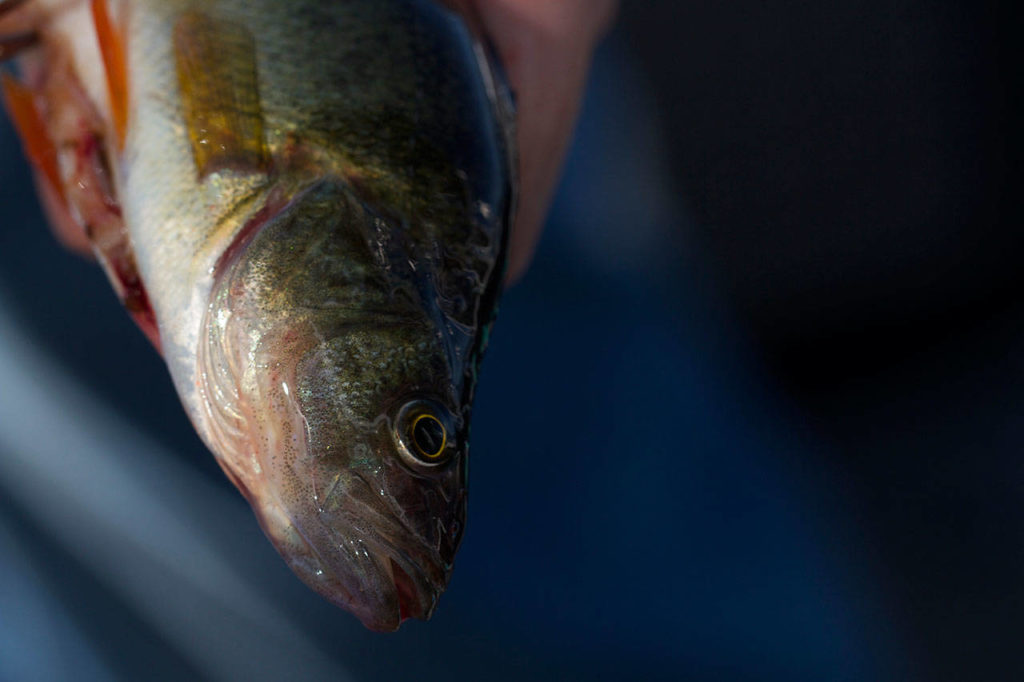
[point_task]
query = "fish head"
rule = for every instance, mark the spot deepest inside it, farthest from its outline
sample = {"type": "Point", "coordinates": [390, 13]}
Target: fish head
{"type": "Point", "coordinates": [328, 394]}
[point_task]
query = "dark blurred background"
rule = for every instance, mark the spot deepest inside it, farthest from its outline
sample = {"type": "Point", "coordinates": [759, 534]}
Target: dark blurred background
{"type": "Point", "coordinates": [852, 170]}
{"type": "Point", "coordinates": [754, 414]}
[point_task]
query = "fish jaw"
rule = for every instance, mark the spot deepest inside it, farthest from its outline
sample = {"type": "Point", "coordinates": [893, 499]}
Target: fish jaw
{"type": "Point", "coordinates": [373, 574]}
{"type": "Point", "coordinates": [307, 355]}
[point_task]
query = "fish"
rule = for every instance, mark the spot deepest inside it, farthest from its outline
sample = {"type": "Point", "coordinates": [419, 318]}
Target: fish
{"type": "Point", "coordinates": [304, 205]}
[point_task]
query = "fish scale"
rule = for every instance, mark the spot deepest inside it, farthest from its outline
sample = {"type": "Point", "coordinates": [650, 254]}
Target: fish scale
{"type": "Point", "coordinates": [313, 198]}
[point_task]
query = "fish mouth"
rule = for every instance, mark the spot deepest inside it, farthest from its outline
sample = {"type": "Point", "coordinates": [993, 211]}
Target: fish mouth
{"type": "Point", "coordinates": [360, 555]}
{"type": "Point", "coordinates": [373, 579]}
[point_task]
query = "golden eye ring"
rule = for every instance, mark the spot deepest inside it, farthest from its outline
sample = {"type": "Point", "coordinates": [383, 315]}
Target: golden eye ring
{"type": "Point", "coordinates": [422, 431]}
{"type": "Point", "coordinates": [426, 431]}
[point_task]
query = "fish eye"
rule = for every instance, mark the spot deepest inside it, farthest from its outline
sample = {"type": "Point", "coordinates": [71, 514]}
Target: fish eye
{"type": "Point", "coordinates": [423, 433]}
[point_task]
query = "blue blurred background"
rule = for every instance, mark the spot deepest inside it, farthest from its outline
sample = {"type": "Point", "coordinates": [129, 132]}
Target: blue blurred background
{"type": "Point", "coordinates": [754, 414]}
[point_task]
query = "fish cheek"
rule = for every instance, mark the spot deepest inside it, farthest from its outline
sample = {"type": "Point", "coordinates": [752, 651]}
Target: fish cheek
{"type": "Point", "coordinates": [342, 429]}
{"type": "Point", "coordinates": [350, 389]}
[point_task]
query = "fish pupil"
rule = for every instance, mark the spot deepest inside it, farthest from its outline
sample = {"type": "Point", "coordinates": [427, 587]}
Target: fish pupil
{"type": "Point", "coordinates": [429, 436]}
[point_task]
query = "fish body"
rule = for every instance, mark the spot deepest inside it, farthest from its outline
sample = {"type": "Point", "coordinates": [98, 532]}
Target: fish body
{"type": "Point", "coordinates": [305, 205]}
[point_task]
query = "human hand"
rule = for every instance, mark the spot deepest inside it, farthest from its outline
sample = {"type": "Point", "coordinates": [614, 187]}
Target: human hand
{"type": "Point", "coordinates": [546, 47]}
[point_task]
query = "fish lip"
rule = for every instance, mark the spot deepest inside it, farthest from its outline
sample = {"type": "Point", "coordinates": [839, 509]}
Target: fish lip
{"type": "Point", "coordinates": [414, 596]}
{"type": "Point", "coordinates": [410, 581]}
{"type": "Point", "coordinates": [409, 576]}
{"type": "Point", "coordinates": [409, 603]}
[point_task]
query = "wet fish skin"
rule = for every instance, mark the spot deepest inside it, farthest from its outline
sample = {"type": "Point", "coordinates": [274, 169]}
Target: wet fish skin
{"type": "Point", "coordinates": [341, 347]}
{"type": "Point", "coordinates": [323, 268]}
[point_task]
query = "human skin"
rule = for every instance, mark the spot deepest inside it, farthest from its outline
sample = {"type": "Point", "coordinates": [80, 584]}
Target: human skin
{"type": "Point", "coordinates": [546, 47]}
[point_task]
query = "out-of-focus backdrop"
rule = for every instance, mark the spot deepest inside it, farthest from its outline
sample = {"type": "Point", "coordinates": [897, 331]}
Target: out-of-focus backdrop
{"type": "Point", "coordinates": [754, 414]}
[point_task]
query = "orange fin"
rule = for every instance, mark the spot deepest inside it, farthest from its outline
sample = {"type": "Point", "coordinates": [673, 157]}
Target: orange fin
{"type": "Point", "coordinates": [39, 148]}
{"type": "Point", "coordinates": [112, 50]}
{"type": "Point", "coordinates": [216, 64]}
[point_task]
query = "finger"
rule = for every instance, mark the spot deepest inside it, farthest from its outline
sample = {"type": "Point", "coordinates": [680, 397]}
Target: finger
{"type": "Point", "coordinates": [546, 49]}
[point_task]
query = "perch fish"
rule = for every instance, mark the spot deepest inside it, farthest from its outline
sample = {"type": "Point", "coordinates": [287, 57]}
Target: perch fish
{"type": "Point", "coordinates": [304, 205]}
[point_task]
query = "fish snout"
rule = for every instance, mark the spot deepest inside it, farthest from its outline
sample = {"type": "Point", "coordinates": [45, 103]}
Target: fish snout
{"type": "Point", "coordinates": [377, 571]}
